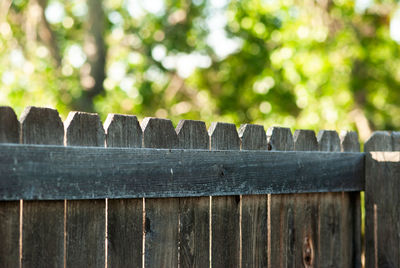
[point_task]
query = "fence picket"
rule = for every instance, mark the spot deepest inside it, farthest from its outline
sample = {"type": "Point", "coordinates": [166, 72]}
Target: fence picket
{"type": "Point", "coordinates": [349, 143]}
{"type": "Point", "coordinates": [43, 221]}
{"type": "Point", "coordinates": [382, 201]}
{"type": "Point", "coordinates": [125, 216]}
{"type": "Point", "coordinates": [254, 222]}
{"type": "Point", "coordinates": [9, 210]}
{"type": "Point", "coordinates": [334, 243]}
{"type": "Point", "coordinates": [85, 219]}
{"type": "Point", "coordinates": [161, 222]}
{"type": "Point", "coordinates": [281, 247]}
{"type": "Point", "coordinates": [194, 212]}
{"type": "Point", "coordinates": [225, 210]}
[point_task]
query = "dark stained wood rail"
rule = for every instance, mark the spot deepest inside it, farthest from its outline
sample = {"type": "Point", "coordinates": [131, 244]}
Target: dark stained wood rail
{"type": "Point", "coordinates": [43, 172]}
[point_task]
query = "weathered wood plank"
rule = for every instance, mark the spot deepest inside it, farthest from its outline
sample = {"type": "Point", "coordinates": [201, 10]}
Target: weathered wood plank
{"type": "Point", "coordinates": [382, 201]}
{"type": "Point", "coordinates": [9, 211]}
{"type": "Point", "coordinates": [125, 216]}
{"type": "Point", "coordinates": [335, 240]}
{"type": "Point", "coordinates": [43, 221]}
{"type": "Point", "coordinates": [349, 143]}
{"type": "Point", "coordinates": [161, 222]}
{"type": "Point", "coordinates": [225, 210]}
{"type": "Point", "coordinates": [85, 219]}
{"type": "Point", "coordinates": [254, 222]}
{"type": "Point", "coordinates": [37, 172]}
{"type": "Point", "coordinates": [281, 247]}
{"type": "Point", "coordinates": [194, 212]}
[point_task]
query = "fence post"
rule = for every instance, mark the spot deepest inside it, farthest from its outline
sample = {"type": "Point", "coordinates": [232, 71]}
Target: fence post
{"type": "Point", "coordinates": [9, 211]}
{"type": "Point", "coordinates": [382, 201]}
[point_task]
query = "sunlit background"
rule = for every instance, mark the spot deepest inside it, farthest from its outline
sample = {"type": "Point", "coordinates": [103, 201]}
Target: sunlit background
{"type": "Point", "coordinates": [302, 64]}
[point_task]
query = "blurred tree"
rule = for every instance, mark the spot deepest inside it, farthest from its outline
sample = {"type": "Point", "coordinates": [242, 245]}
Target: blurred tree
{"type": "Point", "coordinates": [309, 64]}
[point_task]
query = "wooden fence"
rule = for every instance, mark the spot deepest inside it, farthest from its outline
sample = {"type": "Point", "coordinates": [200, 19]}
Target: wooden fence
{"type": "Point", "coordinates": [188, 197]}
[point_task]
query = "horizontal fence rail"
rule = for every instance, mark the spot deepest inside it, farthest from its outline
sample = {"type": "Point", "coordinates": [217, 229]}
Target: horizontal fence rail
{"type": "Point", "coordinates": [40, 172]}
{"type": "Point", "coordinates": [80, 193]}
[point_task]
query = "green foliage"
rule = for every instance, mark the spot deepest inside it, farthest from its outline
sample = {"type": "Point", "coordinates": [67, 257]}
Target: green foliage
{"type": "Point", "coordinates": [301, 64]}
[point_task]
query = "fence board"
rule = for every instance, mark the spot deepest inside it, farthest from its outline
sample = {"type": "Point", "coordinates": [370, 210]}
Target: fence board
{"type": "Point", "coordinates": [225, 214]}
{"type": "Point", "coordinates": [281, 247]}
{"type": "Point", "coordinates": [382, 200]}
{"type": "Point", "coordinates": [9, 210]}
{"type": "Point", "coordinates": [125, 216]}
{"type": "Point", "coordinates": [254, 222]}
{"type": "Point", "coordinates": [161, 222]}
{"type": "Point", "coordinates": [194, 212]}
{"type": "Point", "coordinates": [85, 219]}
{"type": "Point", "coordinates": [43, 221]}
{"type": "Point", "coordinates": [335, 240]}
{"type": "Point", "coordinates": [349, 143]}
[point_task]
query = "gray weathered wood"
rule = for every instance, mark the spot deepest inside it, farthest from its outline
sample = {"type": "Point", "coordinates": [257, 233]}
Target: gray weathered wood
{"type": "Point", "coordinates": [85, 219]}
{"type": "Point", "coordinates": [254, 222]}
{"type": "Point", "coordinates": [125, 216]}
{"type": "Point", "coordinates": [281, 247]}
{"type": "Point", "coordinates": [192, 135]}
{"type": "Point", "coordinates": [328, 140]}
{"type": "Point", "coordinates": [223, 136]}
{"type": "Point", "coordinates": [379, 141]}
{"type": "Point", "coordinates": [158, 133]}
{"type": "Point", "coordinates": [45, 172]}
{"type": "Point", "coordinates": [225, 210]}
{"type": "Point", "coordinates": [349, 143]}
{"type": "Point", "coordinates": [306, 207]}
{"type": "Point", "coordinates": [41, 126]}
{"type": "Point", "coordinates": [9, 211]}
{"type": "Point", "coordinates": [280, 139]}
{"type": "Point", "coordinates": [9, 125]}
{"type": "Point", "coordinates": [161, 222]}
{"type": "Point", "coordinates": [335, 236]}
{"type": "Point", "coordinates": [395, 140]}
{"type": "Point", "coordinates": [305, 140]}
{"type": "Point", "coordinates": [194, 212]}
{"type": "Point", "coordinates": [83, 129]}
{"type": "Point", "coordinates": [382, 201]}
{"type": "Point", "coordinates": [43, 221]}
{"type": "Point", "coordinates": [123, 131]}
{"type": "Point", "coordinates": [252, 137]}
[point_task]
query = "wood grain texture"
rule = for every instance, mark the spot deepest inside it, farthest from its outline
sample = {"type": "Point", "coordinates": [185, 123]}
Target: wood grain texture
{"type": "Point", "coordinates": [41, 126]}
{"type": "Point", "coordinates": [335, 240]}
{"type": "Point", "coordinates": [381, 203]}
{"type": "Point", "coordinates": [9, 125]}
{"type": "Point", "coordinates": [382, 214]}
{"type": "Point", "coordinates": [83, 129]}
{"type": "Point", "coordinates": [350, 143]}
{"type": "Point", "coordinates": [194, 212]}
{"type": "Point", "coordinates": [43, 221]}
{"type": "Point", "coordinates": [9, 210]}
{"type": "Point", "coordinates": [39, 172]}
{"type": "Point", "coordinates": [280, 139]}
{"type": "Point", "coordinates": [282, 250]}
{"type": "Point", "coordinates": [328, 141]}
{"type": "Point", "coordinates": [85, 219]}
{"type": "Point", "coordinates": [306, 208]}
{"type": "Point", "coordinates": [254, 222]}
{"type": "Point", "coordinates": [225, 210]}
{"type": "Point", "coordinates": [125, 216]}
{"type": "Point", "coordinates": [162, 215]}
{"type": "Point", "coordinates": [123, 131]}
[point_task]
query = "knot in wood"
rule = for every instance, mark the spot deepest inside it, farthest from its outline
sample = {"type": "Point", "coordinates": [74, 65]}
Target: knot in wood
{"type": "Point", "coordinates": [308, 252]}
